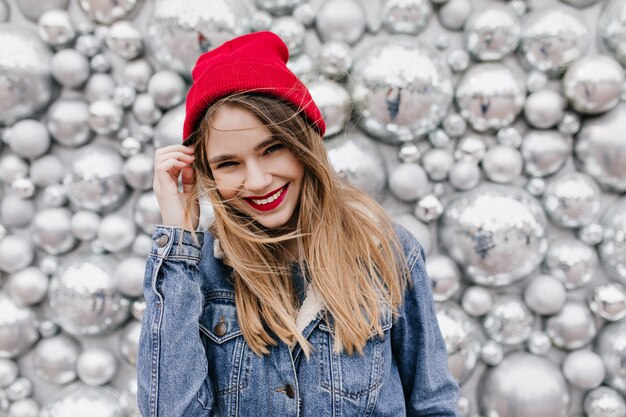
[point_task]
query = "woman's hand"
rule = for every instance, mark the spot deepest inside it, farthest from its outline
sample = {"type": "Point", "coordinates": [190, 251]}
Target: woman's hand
{"type": "Point", "coordinates": [169, 161]}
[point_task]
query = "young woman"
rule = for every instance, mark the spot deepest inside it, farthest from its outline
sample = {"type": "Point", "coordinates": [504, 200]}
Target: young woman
{"type": "Point", "coordinates": [303, 299]}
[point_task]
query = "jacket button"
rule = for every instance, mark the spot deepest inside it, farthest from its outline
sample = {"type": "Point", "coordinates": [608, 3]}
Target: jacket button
{"type": "Point", "coordinates": [220, 328]}
{"type": "Point", "coordinates": [289, 391]}
{"type": "Point", "coordinates": [162, 240]}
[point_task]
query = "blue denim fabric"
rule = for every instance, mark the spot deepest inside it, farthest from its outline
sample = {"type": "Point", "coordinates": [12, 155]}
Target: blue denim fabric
{"type": "Point", "coordinates": [194, 361]}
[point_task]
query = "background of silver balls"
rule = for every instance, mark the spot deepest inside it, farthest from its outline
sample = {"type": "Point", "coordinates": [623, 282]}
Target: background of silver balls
{"type": "Point", "coordinates": [493, 130]}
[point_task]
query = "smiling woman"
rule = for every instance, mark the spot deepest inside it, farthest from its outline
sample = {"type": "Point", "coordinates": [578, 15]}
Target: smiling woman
{"type": "Point", "coordinates": [297, 263]}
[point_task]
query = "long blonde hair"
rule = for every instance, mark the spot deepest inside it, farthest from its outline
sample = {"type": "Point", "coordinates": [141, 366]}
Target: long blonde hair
{"type": "Point", "coordinates": [346, 242]}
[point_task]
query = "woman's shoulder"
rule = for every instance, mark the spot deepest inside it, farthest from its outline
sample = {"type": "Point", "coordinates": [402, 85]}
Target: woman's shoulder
{"type": "Point", "coordinates": [413, 250]}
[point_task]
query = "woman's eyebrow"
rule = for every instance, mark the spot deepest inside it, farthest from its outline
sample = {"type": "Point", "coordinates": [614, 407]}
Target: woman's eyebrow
{"type": "Point", "coordinates": [228, 156]}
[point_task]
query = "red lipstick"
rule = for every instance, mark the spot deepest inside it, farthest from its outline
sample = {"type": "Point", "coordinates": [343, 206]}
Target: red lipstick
{"type": "Point", "coordinates": [268, 206]}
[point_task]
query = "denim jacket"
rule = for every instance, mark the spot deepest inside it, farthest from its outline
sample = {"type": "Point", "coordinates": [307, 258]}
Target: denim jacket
{"type": "Point", "coordinates": [194, 361]}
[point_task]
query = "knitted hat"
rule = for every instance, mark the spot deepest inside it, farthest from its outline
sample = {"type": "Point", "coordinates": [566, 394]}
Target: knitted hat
{"type": "Point", "coordinates": [253, 62]}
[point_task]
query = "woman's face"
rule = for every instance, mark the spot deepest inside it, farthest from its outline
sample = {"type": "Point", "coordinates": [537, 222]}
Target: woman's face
{"type": "Point", "coordinates": [252, 169]}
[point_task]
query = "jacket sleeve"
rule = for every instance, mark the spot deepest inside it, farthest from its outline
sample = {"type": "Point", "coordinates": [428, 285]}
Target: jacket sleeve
{"type": "Point", "coordinates": [419, 348]}
{"type": "Point", "coordinates": [172, 373]}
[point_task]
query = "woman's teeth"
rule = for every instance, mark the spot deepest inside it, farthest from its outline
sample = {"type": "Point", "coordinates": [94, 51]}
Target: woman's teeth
{"type": "Point", "coordinates": [269, 199]}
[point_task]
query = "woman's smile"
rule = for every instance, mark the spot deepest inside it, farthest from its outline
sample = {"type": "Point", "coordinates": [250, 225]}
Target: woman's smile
{"type": "Point", "coordinates": [270, 201]}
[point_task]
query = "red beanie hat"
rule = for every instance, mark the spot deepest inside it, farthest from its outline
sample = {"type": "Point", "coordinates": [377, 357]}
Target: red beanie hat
{"type": "Point", "coordinates": [254, 62]}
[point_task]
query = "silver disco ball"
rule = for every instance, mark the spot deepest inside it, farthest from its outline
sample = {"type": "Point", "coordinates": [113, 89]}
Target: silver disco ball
{"type": "Point", "coordinates": [96, 180]}
{"type": "Point", "coordinates": [400, 90]}
{"type": "Point", "coordinates": [179, 32]}
{"type": "Point", "coordinates": [612, 250]}
{"type": "Point", "coordinates": [83, 296]}
{"type": "Point", "coordinates": [497, 233]}
{"type": "Point", "coordinates": [611, 346]}
{"type": "Point", "coordinates": [79, 400]}
{"type": "Point", "coordinates": [26, 84]}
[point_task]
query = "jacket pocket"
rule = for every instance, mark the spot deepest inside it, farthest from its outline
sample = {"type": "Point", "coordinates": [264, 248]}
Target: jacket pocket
{"type": "Point", "coordinates": [227, 352]}
{"type": "Point", "coordinates": [356, 376]}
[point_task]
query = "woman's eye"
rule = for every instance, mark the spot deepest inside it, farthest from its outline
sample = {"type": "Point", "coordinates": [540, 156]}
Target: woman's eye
{"type": "Point", "coordinates": [226, 164]}
{"type": "Point", "coordinates": [274, 148]}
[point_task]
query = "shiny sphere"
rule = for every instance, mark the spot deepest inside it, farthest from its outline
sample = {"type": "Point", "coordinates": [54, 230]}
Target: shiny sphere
{"type": "Point", "coordinates": [167, 89]}
{"type": "Point", "coordinates": [29, 138]}
{"type": "Point", "coordinates": [491, 353]}
{"type": "Point", "coordinates": [454, 125]}
{"type": "Point", "coordinates": [357, 160]}
{"type": "Point", "coordinates": [502, 164]}
{"type": "Point", "coordinates": [509, 321]}
{"type": "Point", "coordinates": [470, 148]}
{"type": "Point", "coordinates": [145, 109]}
{"type": "Point", "coordinates": [129, 342]}
{"type": "Point", "coordinates": [50, 231]}
{"type": "Point", "coordinates": [334, 59]}
{"type": "Point", "coordinates": [444, 275]}
{"type": "Point", "coordinates": [84, 224]}
{"type": "Point", "coordinates": [28, 286]}
{"type": "Point", "coordinates": [55, 27]}
{"type": "Point", "coordinates": [278, 7]}
{"type": "Point", "coordinates": [611, 346]}
{"type": "Point", "coordinates": [125, 39]}
{"type": "Point", "coordinates": [78, 400]}
{"type": "Point", "coordinates": [387, 85]}
{"type": "Point", "coordinates": [26, 407]}
{"type": "Point", "coordinates": [26, 64]}
{"type": "Point", "coordinates": [401, 16]}
{"type": "Point", "coordinates": [572, 200]}
{"type": "Point", "coordinates": [100, 87]}
{"type": "Point", "coordinates": [553, 37]}
{"type": "Point", "coordinates": [334, 102]}
{"type": "Point", "coordinates": [116, 232]}
{"type": "Point", "coordinates": [545, 152]}
{"type": "Point", "coordinates": [591, 234]}
{"type": "Point", "coordinates": [477, 301]}
{"type": "Point", "coordinates": [496, 233]}
{"type": "Point", "coordinates": [291, 31]}
{"type": "Point", "coordinates": [612, 250]}
{"type": "Point", "coordinates": [9, 371]}
{"type": "Point", "coordinates": [462, 337]}
{"type": "Point", "coordinates": [454, 13]}
{"type": "Point", "coordinates": [20, 389]}
{"type": "Point", "coordinates": [89, 45]}
{"type": "Point", "coordinates": [128, 276]}
{"type": "Point", "coordinates": [146, 212]}
{"type": "Point", "coordinates": [573, 327]}
{"type": "Point", "coordinates": [169, 129]}
{"type": "Point", "coordinates": [105, 117]}
{"type": "Point", "coordinates": [68, 122]}
{"type": "Point", "coordinates": [612, 29]}
{"type": "Point", "coordinates": [464, 175]}
{"type": "Point", "coordinates": [12, 167]}
{"type": "Point", "coordinates": [545, 295]}
{"type": "Point", "coordinates": [96, 181]}
{"type": "Point", "coordinates": [70, 68]}
{"type": "Point", "coordinates": [138, 171]}
{"type": "Point", "coordinates": [604, 402]}
{"type": "Point", "coordinates": [341, 20]}
{"type": "Point", "coordinates": [600, 149]}
{"type": "Point", "coordinates": [572, 262]}
{"type": "Point", "coordinates": [82, 296]}
{"type": "Point", "coordinates": [16, 211]}
{"type": "Point", "coordinates": [608, 301]}
{"type": "Point", "coordinates": [18, 325]}
{"type": "Point", "coordinates": [530, 385]}
{"type": "Point", "coordinates": [437, 164]}
{"type": "Point", "coordinates": [593, 84]}
{"type": "Point", "coordinates": [428, 208]}
{"type": "Point", "coordinates": [96, 366]}
{"type": "Point", "coordinates": [492, 33]}
{"type": "Point", "coordinates": [179, 32]}
{"type": "Point", "coordinates": [137, 73]}
{"type": "Point", "coordinates": [34, 9]}
{"type": "Point", "coordinates": [544, 109]}
{"type": "Point", "coordinates": [107, 11]}
{"type": "Point", "coordinates": [490, 96]}
{"type": "Point", "coordinates": [538, 342]}
{"type": "Point", "coordinates": [408, 182]}
{"type": "Point", "coordinates": [584, 369]}
{"type": "Point", "coordinates": [16, 253]}
{"type": "Point", "coordinates": [54, 359]}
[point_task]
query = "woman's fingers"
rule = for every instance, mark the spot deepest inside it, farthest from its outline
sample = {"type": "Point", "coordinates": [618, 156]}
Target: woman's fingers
{"type": "Point", "coordinates": [187, 178]}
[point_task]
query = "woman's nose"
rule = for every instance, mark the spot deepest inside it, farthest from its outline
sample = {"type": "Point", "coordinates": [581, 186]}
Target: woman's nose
{"type": "Point", "coordinates": [257, 179]}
